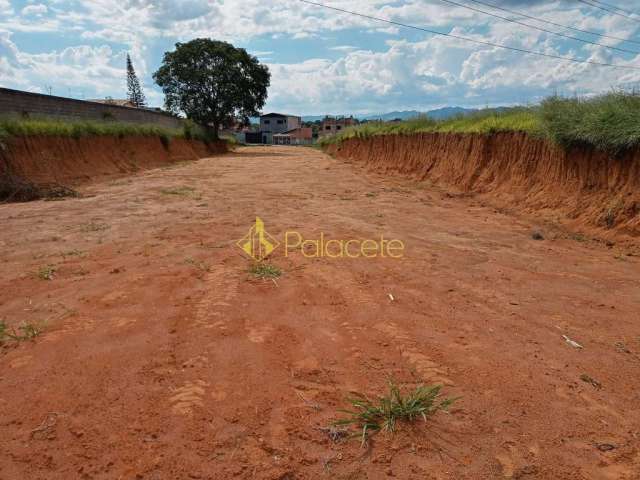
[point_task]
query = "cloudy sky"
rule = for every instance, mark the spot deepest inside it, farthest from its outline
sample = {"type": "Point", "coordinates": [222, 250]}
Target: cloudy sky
{"type": "Point", "coordinates": [323, 61]}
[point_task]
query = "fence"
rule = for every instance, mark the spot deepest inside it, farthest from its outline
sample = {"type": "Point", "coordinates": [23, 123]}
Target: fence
{"type": "Point", "coordinates": [16, 103]}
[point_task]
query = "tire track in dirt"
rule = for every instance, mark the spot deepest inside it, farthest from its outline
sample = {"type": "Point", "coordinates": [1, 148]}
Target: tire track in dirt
{"type": "Point", "coordinates": [358, 298]}
{"type": "Point", "coordinates": [428, 370]}
{"type": "Point", "coordinates": [219, 289]}
{"type": "Point", "coordinates": [187, 397]}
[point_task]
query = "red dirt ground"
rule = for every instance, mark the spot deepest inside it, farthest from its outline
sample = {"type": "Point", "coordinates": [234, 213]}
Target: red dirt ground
{"type": "Point", "coordinates": [161, 358]}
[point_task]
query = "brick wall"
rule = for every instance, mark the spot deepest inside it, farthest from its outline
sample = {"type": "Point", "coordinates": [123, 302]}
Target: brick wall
{"type": "Point", "coordinates": [15, 103]}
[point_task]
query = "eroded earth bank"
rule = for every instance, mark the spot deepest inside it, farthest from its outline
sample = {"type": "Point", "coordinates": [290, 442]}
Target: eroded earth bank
{"type": "Point", "coordinates": [586, 190]}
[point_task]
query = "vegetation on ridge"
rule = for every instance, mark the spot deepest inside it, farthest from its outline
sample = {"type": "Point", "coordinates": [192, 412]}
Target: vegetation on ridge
{"type": "Point", "coordinates": [609, 122]}
{"type": "Point", "coordinates": [63, 128]}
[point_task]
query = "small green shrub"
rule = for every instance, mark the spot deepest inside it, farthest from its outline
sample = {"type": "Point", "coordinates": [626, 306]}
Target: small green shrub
{"type": "Point", "coordinates": [46, 272]}
{"type": "Point", "coordinates": [265, 270]}
{"type": "Point", "coordinates": [385, 412]}
{"type": "Point", "coordinates": [199, 264]}
{"type": "Point", "coordinates": [193, 131]}
{"type": "Point", "coordinates": [94, 227]}
{"type": "Point", "coordinates": [188, 128]}
{"type": "Point", "coordinates": [231, 141]}
{"type": "Point", "coordinates": [29, 331]}
{"type": "Point", "coordinates": [183, 191]}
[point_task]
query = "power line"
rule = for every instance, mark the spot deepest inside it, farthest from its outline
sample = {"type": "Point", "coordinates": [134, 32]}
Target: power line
{"type": "Point", "coordinates": [513, 12]}
{"type": "Point", "coordinates": [472, 40]}
{"type": "Point", "coordinates": [595, 5]}
{"type": "Point", "coordinates": [450, 2]}
{"type": "Point", "coordinates": [615, 7]}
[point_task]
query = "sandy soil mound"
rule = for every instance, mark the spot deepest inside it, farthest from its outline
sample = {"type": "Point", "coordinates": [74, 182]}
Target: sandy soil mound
{"type": "Point", "coordinates": [583, 189]}
{"type": "Point", "coordinates": [67, 160]}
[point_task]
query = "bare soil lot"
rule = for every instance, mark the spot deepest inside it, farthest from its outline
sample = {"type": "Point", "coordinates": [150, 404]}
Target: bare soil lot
{"type": "Point", "coordinates": [162, 358]}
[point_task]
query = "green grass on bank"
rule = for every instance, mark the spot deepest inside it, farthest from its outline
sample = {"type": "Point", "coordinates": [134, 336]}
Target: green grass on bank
{"type": "Point", "coordinates": [484, 122]}
{"type": "Point", "coordinates": [49, 127]}
{"type": "Point", "coordinates": [609, 122]}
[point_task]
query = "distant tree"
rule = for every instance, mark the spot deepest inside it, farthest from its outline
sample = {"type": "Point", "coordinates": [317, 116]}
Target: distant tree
{"type": "Point", "coordinates": [213, 83]}
{"type": "Point", "coordinates": [134, 91]}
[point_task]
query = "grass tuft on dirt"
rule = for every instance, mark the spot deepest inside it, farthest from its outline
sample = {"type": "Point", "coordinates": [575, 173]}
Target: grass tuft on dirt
{"type": "Point", "coordinates": [384, 413]}
{"type": "Point", "coordinates": [265, 270]}
{"type": "Point", "coordinates": [199, 264]}
{"type": "Point", "coordinates": [94, 227]}
{"type": "Point", "coordinates": [27, 331]}
{"type": "Point", "coordinates": [182, 191]}
{"type": "Point", "coordinates": [609, 122]}
{"type": "Point", "coordinates": [47, 272]}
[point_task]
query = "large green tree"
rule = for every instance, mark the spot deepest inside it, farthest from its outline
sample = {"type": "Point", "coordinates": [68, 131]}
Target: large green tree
{"type": "Point", "coordinates": [213, 83]}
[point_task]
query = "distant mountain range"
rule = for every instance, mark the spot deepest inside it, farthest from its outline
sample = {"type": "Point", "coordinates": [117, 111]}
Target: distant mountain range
{"type": "Point", "coordinates": [438, 114]}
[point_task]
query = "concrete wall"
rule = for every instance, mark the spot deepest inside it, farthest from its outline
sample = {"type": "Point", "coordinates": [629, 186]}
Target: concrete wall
{"type": "Point", "coordinates": [15, 103]}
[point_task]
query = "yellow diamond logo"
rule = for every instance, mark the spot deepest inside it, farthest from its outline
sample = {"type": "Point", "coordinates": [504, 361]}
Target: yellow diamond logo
{"type": "Point", "coordinates": [257, 243]}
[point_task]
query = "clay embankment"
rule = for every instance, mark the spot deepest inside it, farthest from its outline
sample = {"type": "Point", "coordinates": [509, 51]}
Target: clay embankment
{"type": "Point", "coordinates": [71, 161]}
{"type": "Point", "coordinates": [582, 189]}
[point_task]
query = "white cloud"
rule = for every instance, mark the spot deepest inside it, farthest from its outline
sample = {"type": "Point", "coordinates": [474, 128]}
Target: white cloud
{"type": "Point", "coordinates": [5, 7]}
{"type": "Point", "coordinates": [343, 48]}
{"type": "Point", "coordinates": [437, 71]}
{"type": "Point", "coordinates": [77, 69]}
{"type": "Point", "coordinates": [35, 10]}
{"type": "Point", "coordinates": [424, 72]}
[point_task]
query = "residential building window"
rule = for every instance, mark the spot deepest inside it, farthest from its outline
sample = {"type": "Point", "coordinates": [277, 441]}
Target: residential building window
{"type": "Point", "coordinates": [267, 122]}
{"type": "Point", "coordinates": [328, 127]}
{"type": "Point", "coordinates": [280, 122]}
{"type": "Point", "coordinates": [338, 127]}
